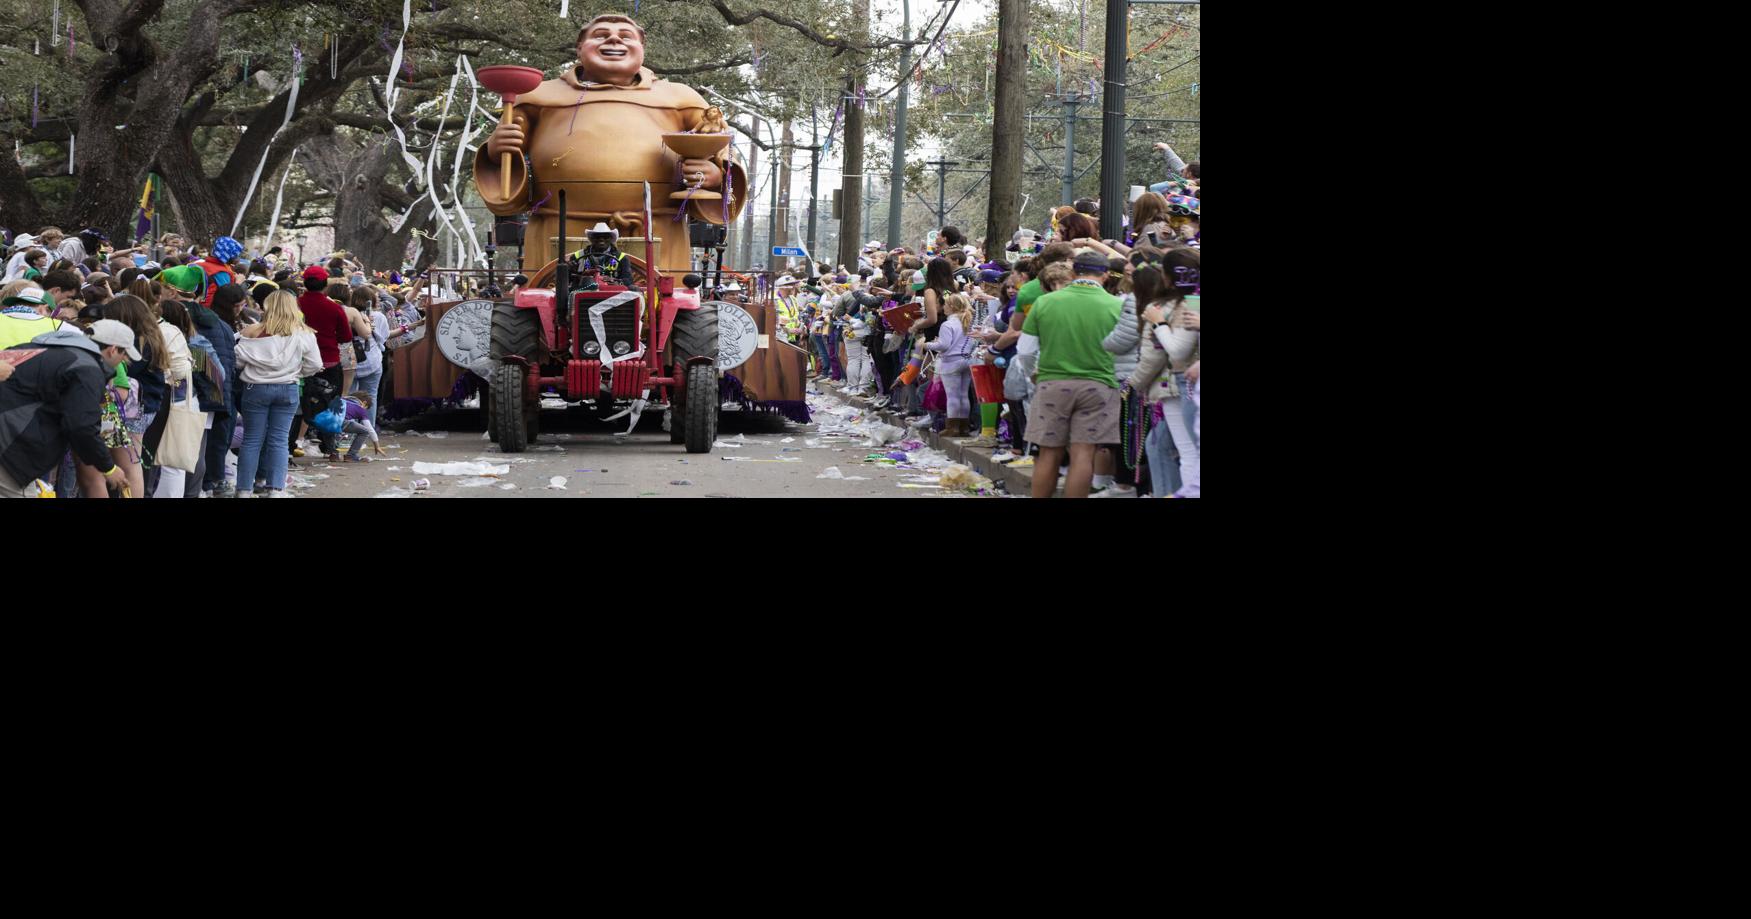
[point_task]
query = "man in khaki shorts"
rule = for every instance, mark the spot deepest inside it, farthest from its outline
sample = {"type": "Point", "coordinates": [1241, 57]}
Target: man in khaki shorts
{"type": "Point", "coordinates": [1076, 403]}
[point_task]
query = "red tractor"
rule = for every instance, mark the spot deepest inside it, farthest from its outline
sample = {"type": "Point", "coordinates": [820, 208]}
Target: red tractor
{"type": "Point", "coordinates": [593, 339]}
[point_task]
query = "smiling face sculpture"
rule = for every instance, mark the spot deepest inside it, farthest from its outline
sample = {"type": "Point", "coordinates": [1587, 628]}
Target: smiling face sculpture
{"type": "Point", "coordinates": [596, 133]}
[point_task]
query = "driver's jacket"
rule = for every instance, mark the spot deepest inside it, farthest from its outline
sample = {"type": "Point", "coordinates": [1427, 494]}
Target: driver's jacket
{"type": "Point", "coordinates": [612, 263]}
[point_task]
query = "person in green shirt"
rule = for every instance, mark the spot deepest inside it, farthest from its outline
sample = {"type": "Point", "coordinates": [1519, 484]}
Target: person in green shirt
{"type": "Point", "coordinates": [1031, 291]}
{"type": "Point", "coordinates": [1076, 405]}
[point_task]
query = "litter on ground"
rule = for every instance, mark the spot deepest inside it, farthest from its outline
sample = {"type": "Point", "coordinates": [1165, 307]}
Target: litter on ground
{"type": "Point", "coordinates": [468, 469]}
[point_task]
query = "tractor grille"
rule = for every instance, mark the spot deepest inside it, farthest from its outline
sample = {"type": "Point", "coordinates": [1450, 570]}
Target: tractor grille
{"type": "Point", "coordinates": [620, 322]}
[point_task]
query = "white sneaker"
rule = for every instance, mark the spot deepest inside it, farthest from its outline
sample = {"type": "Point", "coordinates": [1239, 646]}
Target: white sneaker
{"type": "Point", "coordinates": [281, 493]}
{"type": "Point", "coordinates": [1115, 491]}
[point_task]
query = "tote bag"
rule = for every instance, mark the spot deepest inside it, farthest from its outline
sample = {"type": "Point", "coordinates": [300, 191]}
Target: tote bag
{"type": "Point", "coordinates": [180, 447]}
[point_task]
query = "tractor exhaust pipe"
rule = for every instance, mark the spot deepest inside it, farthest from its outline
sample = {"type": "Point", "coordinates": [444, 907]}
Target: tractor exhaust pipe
{"type": "Point", "coordinates": [562, 278]}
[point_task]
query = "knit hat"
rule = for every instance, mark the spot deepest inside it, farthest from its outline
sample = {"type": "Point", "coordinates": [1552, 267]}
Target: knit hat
{"type": "Point", "coordinates": [111, 332]}
{"type": "Point", "coordinates": [316, 274]}
{"type": "Point", "coordinates": [1091, 260]}
{"type": "Point", "coordinates": [225, 249]}
{"type": "Point", "coordinates": [189, 279]}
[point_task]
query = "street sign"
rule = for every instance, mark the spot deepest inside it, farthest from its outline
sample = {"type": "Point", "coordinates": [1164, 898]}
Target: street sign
{"type": "Point", "coordinates": [788, 251]}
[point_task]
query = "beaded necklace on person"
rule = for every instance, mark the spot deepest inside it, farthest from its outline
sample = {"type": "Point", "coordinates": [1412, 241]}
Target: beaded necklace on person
{"type": "Point", "coordinates": [1085, 282]}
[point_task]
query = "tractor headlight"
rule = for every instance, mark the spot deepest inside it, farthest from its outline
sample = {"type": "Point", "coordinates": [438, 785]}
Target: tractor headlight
{"type": "Point", "coordinates": [621, 347]}
{"type": "Point", "coordinates": [591, 349]}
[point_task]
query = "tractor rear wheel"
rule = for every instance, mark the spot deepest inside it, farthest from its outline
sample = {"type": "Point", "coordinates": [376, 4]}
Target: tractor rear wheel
{"type": "Point", "coordinates": [515, 332]}
{"type": "Point", "coordinates": [698, 418]}
{"type": "Point", "coordinates": [507, 417]}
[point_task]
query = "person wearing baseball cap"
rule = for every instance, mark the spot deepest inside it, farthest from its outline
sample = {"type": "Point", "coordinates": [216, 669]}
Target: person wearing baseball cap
{"type": "Point", "coordinates": [53, 402]}
{"type": "Point", "coordinates": [1076, 404]}
{"type": "Point", "coordinates": [328, 320]}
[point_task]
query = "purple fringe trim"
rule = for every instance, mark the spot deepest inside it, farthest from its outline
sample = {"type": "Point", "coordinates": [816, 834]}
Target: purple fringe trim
{"type": "Point", "coordinates": [729, 389]}
{"type": "Point", "coordinates": [467, 385]}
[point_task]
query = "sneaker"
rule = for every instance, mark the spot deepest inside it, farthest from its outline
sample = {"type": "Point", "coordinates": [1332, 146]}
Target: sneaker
{"type": "Point", "coordinates": [1026, 462]}
{"type": "Point", "coordinates": [1004, 456]}
{"type": "Point", "coordinates": [352, 458]}
{"type": "Point", "coordinates": [983, 440]}
{"type": "Point", "coordinates": [280, 493]}
{"type": "Point", "coordinates": [1116, 491]}
{"type": "Point", "coordinates": [246, 494]}
{"type": "Point", "coordinates": [226, 490]}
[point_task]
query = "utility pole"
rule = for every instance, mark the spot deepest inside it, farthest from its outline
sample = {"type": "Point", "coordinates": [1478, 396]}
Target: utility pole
{"type": "Point", "coordinates": [1006, 125]}
{"type": "Point", "coordinates": [814, 175]}
{"type": "Point", "coordinates": [747, 259]}
{"type": "Point", "coordinates": [781, 198]}
{"type": "Point", "coordinates": [1112, 141]}
{"type": "Point", "coordinates": [897, 169]}
{"type": "Point", "coordinates": [942, 189]}
{"type": "Point", "coordinates": [866, 209]}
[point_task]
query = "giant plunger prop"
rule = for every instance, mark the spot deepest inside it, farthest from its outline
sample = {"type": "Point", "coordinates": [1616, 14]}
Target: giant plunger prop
{"type": "Point", "coordinates": [509, 82]}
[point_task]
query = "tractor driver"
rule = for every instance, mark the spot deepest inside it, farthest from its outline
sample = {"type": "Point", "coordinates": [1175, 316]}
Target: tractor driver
{"type": "Point", "coordinates": [602, 256]}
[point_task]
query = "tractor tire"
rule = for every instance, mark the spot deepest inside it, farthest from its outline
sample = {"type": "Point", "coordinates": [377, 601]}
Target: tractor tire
{"type": "Point", "coordinates": [698, 418]}
{"type": "Point", "coordinates": [694, 334]}
{"type": "Point", "coordinates": [507, 409]}
{"type": "Point", "coordinates": [515, 332]}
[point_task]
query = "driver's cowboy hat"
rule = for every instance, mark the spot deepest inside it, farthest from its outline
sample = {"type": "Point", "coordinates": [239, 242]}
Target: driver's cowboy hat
{"type": "Point", "coordinates": [602, 229]}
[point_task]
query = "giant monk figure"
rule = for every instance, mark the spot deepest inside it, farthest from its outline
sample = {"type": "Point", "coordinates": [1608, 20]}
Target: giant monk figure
{"type": "Point", "coordinates": [597, 132]}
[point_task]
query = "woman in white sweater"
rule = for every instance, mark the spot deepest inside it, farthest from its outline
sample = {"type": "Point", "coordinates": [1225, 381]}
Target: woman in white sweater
{"type": "Point", "coordinates": [272, 356]}
{"type": "Point", "coordinates": [1170, 346]}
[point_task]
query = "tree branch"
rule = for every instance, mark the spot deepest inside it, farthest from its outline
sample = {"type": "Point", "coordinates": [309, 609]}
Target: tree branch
{"type": "Point", "coordinates": [801, 28]}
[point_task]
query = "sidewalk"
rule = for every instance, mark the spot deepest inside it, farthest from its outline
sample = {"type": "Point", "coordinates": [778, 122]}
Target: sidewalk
{"type": "Point", "coordinates": [1019, 482]}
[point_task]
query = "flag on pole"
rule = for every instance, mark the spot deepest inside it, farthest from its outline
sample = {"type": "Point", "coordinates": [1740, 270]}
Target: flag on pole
{"type": "Point", "coordinates": [143, 223]}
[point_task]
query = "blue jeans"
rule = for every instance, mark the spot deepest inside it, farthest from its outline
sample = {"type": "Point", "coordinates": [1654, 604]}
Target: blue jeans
{"type": "Point", "coordinates": [267, 425]}
{"type": "Point", "coordinates": [368, 384]}
{"type": "Point", "coordinates": [819, 343]}
{"type": "Point", "coordinates": [360, 434]}
{"type": "Point", "coordinates": [1188, 408]}
{"type": "Point", "coordinates": [1163, 467]}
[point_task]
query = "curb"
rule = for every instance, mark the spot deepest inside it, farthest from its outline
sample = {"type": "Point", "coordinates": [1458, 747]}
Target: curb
{"type": "Point", "coordinates": [1018, 482]}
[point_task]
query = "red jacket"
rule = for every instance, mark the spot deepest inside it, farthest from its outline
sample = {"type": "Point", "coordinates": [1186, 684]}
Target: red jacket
{"type": "Point", "coordinates": [218, 275]}
{"type": "Point", "coordinates": [329, 320]}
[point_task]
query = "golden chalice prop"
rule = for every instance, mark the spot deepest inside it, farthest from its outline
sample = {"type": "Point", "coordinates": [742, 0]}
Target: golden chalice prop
{"type": "Point", "coordinates": [690, 146]}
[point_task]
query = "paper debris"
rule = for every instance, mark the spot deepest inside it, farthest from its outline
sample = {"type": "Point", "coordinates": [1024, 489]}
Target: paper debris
{"type": "Point", "coordinates": [720, 443]}
{"type": "Point", "coordinates": [787, 440]}
{"type": "Point", "coordinates": [395, 469]}
{"type": "Point", "coordinates": [460, 469]}
{"type": "Point", "coordinates": [558, 482]}
{"type": "Point", "coordinates": [507, 486]}
{"type": "Point", "coordinates": [549, 448]}
{"type": "Point", "coordinates": [955, 475]}
{"type": "Point", "coordinates": [915, 485]}
{"type": "Point", "coordinates": [832, 472]}
{"type": "Point", "coordinates": [394, 493]}
{"type": "Point", "coordinates": [475, 482]}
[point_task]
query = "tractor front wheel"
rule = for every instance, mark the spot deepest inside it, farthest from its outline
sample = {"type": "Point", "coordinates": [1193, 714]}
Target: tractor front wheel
{"type": "Point", "coordinates": [507, 416]}
{"type": "Point", "coordinates": [698, 417]}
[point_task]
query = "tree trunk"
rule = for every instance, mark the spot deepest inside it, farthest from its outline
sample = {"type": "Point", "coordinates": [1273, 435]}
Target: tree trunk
{"type": "Point", "coordinates": [851, 187]}
{"type": "Point", "coordinates": [1001, 213]}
